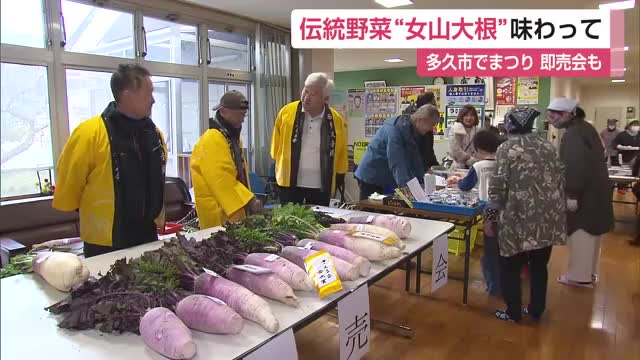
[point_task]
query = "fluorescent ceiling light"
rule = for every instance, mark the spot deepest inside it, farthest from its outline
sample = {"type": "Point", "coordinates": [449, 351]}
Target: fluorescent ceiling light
{"type": "Point", "coordinates": [617, 80]}
{"type": "Point", "coordinates": [394, 60]}
{"type": "Point", "coordinates": [396, 3]}
{"type": "Point", "coordinates": [619, 5]}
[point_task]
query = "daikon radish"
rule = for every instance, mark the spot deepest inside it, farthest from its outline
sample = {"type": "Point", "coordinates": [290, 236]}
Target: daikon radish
{"type": "Point", "coordinates": [345, 270]}
{"type": "Point", "coordinates": [249, 305]}
{"type": "Point", "coordinates": [381, 234]}
{"type": "Point", "coordinates": [208, 314]}
{"type": "Point", "coordinates": [61, 270]}
{"type": "Point", "coordinates": [358, 261]}
{"type": "Point", "coordinates": [285, 269]}
{"type": "Point", "coordinates": [267, 285]}
{"type": "Point", "coordinates": [56, 243]}
{"type": "Point", "coordinates": [370, 249]}
{"type": "Point", "coordinates": [165, 333]}
{"type": "Point", "coordinates": [398, 225]}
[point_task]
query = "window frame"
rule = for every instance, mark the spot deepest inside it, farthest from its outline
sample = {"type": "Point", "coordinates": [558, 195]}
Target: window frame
{"type": "Point", "coordinates": [57, 61]}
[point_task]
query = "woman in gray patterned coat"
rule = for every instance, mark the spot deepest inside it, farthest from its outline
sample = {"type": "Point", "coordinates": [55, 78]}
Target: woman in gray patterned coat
{"type": "Point", "coordinates": [528, 193]}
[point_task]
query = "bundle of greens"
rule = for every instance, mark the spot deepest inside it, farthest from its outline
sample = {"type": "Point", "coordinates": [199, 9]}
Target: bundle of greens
{"type": "Point", "coordinates": [301, 220]}
{"type": "Point", "coordinates": [19, 264]}
{"type": "Point", "coordinates": [258, 234]}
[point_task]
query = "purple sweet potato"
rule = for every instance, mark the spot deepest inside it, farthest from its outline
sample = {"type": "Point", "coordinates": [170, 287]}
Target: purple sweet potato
{"type": "Point", "coordinates": [210, 315]}
{"type": "Point", "coordinates": [249, 305]}
{"type": "Point", "coordinates": [363, 265]}
{"type": "Point", "coordinates": [267, 285]}
{"type": "Point", "coordinates": [285, 269]}
{"type": "Point", "coordinates": [165, 333]}
{"type": "Point", "coordinates": [345, 270]}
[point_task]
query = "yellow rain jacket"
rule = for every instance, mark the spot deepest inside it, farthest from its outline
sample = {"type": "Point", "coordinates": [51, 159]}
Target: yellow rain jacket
{"type": "Point", "coordinates": [220, 196]}
{"type": "Point", "coordinates": [84, 181]}
{"type": "Point", "coordinates": [281, 144]}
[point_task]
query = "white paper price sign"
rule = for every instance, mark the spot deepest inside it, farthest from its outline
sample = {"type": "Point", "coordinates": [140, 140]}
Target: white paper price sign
{"type": "Point", "coordinates": [282, 347]}
{"type": "Point", "coordinates": [355, 324]}
{"type": "Point", "coordinates": [440, 267]}
{"type": "Point", "coordinates": [253, 269]}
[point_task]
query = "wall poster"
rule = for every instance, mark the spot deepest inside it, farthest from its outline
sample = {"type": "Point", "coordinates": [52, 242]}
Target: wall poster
{"type": "Point", "coordinates": [356, 100]}
{"type": "Point", "coordinates": [505, 91]}
{"type": "Point", "coordinates": [528, 88]}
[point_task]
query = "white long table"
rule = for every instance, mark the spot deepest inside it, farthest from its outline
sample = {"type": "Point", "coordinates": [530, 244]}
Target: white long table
{"type": "Point", "coordinates": [28, 329]}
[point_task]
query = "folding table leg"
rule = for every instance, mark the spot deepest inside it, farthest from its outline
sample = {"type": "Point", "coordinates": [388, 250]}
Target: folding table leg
{"type": "Point", "coordinates": [467, 256]}
{"type": "Point", "coordinates": [407, 281]}
{"type": "Point", "coordinates": [418, 271]}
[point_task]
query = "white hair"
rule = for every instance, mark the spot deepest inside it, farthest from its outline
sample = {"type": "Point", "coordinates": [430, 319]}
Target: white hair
{"type": "Point", "coordinates": [322, 81]}
{"type": "Point", "coordinates": [427, 111]}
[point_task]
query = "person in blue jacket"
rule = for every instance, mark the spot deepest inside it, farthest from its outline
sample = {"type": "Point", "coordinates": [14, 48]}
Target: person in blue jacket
{"type": "Point", "coordinates": [393, 157]}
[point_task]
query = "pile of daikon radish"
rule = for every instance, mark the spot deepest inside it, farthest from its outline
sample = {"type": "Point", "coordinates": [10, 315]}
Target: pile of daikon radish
{"type": "Point", "coordinates": [221, 302]}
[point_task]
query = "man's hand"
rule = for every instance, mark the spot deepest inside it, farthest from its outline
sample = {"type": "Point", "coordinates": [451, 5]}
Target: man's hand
{"type": "Point", "coordinates": [572, 205]}
{"type": "Point", "coordinates": [254, 207]}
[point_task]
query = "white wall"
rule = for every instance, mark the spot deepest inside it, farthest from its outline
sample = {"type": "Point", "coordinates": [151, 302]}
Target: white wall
{"type": "Point", "coordinates": [611, 95]}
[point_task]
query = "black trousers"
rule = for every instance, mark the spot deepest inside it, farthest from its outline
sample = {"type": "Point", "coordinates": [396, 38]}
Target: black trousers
{"type": "Point", "coordinates": [510, 268]}
{"type": "Point", "coordinates": [367, 189]}
{"type": "Point", "coordinates": [95, 250]}
{"type": "Point", "coordinates": [298, 195]}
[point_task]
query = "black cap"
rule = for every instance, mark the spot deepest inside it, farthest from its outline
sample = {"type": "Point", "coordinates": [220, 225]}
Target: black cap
{"type": "Point", "coordinates": [233, 100]}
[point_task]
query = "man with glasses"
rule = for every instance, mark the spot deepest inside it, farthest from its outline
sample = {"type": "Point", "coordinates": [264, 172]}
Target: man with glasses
{"type": "Point", "coordinates": [219, 167]}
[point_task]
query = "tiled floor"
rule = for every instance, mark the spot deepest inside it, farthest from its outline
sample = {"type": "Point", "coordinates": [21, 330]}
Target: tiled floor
{"type": "Point", "coordinates": [580, 323]}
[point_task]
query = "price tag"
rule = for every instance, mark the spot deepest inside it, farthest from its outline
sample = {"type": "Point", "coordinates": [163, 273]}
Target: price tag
{"type": "Point", "coordinates": [217, 301]}
{"type": "Point", "coordinates": [321, 270]}
{"type": "Point", "coordinates": [354, 322]}
{"type": "Point", "coordinates": [212, 273]}
{"type": "Point", "coordinates": [253, 269]}
{"type": "Point", "coordinates": [272, 258]}
{"type": "Point", "coordinates": [370, 219]}
{"type": "Point", "coordinates": [383, 239]}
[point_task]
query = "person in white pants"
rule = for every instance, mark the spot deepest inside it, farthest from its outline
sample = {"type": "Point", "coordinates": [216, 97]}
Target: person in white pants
{"type": "Point", "coordinates": [584, 256]}
{"type": "Point", "coordinates": [589, 207]}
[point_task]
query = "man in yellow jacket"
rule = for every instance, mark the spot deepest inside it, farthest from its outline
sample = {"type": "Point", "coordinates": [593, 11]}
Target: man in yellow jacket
{"type": "Point", "coordinates": [219, 168]}
{"type": "Point", "coordinates": [309, 145]}
{"type": "Point", "coordinates": [112, 168]}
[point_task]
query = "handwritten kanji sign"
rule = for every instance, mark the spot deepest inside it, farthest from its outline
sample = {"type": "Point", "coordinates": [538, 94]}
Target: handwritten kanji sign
{"type": "Point", "coordinates": [281, 347]}
{"type": "Point", "coordinates": [355, 324]}
{"type": "Point", "coordinates": [440, 267]}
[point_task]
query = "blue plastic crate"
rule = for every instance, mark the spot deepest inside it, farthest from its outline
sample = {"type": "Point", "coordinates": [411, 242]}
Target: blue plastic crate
{"type": "Point", "coordinates": [449, 209]}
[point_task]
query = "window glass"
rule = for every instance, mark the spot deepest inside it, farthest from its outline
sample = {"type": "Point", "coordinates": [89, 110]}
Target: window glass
{"type": "Point", "coordinates": [22, 23]}
{"type": "Point", "coordinates": [88, 94]}
{"type": "Point", "coordinates": [229, 50]}
{"type": "Point", "coordinates": [25, 137]}
{"type": "Point", "coordinates": [96, 30]}
{"type": "Point", "coordinates": [170, 42]}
